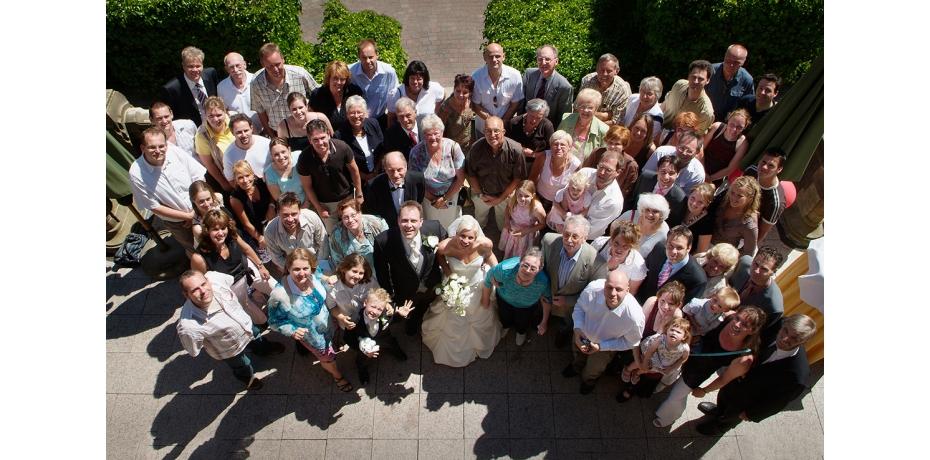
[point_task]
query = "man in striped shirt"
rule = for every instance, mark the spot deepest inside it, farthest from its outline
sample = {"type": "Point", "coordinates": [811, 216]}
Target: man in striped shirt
{"type": "Point", "coordinates": [213, 320]}
{"type": "Point", "coordinates": [773, 194]}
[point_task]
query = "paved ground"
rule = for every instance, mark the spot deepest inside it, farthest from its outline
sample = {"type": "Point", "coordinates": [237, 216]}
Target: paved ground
{"type": "Point", "coordinates": [445, 34]}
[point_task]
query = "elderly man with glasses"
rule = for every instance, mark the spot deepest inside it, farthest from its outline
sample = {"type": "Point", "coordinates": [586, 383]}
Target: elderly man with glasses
{"type": "Point", "coordinates": [571, 264]}
{"type": "Point", "coordinates": [692, 172]}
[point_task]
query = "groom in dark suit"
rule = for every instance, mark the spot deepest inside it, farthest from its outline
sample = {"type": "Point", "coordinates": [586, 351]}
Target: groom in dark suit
{"type": "Point", "coordinates": [767, 388]}
{"type": "Point", "coordinates": [178, 93]}
{"type": "Point", "coordinates": [672, 262]}
{"type": "Point", "coordinates": [387, 191]}
{"type": "Point", "coordinates": [405, 261]}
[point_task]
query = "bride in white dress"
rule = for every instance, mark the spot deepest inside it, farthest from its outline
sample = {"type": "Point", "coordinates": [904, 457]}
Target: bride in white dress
{"type": "Point", "coordinates": [456, 340]}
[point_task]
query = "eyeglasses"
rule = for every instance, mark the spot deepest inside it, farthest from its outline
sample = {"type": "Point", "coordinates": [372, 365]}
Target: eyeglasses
{"type": "Point", "coordinates": [493, 131]}
{"type": "Point", "coordinates": [529, 268]}
{"type": "Point", "coordinates": [572, 236]}
{"type": "Point", "coordinates": [605, 169]}
{"type": "Point", "coordinates": [585, 107]}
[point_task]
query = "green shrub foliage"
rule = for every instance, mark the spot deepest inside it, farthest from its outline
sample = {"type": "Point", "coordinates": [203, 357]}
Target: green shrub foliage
{"type": "Point", "coordinates": [659, 37]}
{"type": "Point", "coordinates": [145, 37]}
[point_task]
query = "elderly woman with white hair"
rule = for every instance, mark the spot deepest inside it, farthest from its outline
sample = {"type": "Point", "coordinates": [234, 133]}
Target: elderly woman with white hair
{"type": "Point", "coordinates": [532, 129]}
{"type": "Point", "coordinates": [650, 214]}
{"type": "Point", "coordinates": [441, 161]}
{"type": "Point", "coordinates": [364, 136]}
{"type": "Point", "coordinates": [646, 101]}
{"type": "Point", "coordinates": [551, 172]}
{"type": "Point", "coordinates": [587, 131]}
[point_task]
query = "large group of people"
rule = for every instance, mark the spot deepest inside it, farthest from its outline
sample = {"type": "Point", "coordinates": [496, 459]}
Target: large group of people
{"type": "Point", "coordinates": [625, 225]}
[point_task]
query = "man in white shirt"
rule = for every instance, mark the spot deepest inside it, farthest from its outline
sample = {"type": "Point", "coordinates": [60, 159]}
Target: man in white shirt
{"type": "Point", "coordinates": [213, 320]}
{"type": "Point", "coordinates": [235, 90]}
{"type": "Point", "coordinates": [254, 149]}
{"type": "Point", "coordinates": [295, 228]}
{"type": "Point", "coordinates": [179, 132]}
{"type": "Point", "coordinates": [160, 180]}
{"type": "Point", "coordinates": [498, 88]}
{"type": "Point", "coordinates": [606, 196]}
{"type": "Point", "coordinates": [692, 172]}
{"type": "Point", "coordinates": [376, 79]}
{"type": "Point", "coordinates": [607, 319]}
{"type": "Point", "coordinates": [781, 377]}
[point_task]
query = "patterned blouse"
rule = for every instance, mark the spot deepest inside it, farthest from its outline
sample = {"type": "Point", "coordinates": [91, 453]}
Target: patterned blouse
{"type": "Point", "coordinates": [438, 178]}
{"type": "Point", "coordinates": [343, 243]}
{"type": "Point", "coordinates": [289, 310]}
{"type": "Point", "coordinates": [460, 127]}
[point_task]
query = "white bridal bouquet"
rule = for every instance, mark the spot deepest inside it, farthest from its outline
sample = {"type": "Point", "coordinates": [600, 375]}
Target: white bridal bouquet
{"type": "Point", "coordinates": [454, 290]}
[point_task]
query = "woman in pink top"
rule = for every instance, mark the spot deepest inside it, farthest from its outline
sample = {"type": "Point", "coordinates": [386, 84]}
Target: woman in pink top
{"type": "Point", "coordinates": [551, 174]}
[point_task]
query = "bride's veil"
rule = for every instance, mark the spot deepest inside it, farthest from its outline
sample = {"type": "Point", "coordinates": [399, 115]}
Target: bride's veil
{"type": "Point", "coordinates": [469, 223]}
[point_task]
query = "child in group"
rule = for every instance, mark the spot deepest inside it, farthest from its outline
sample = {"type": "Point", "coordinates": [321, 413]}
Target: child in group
{"type": "Point", "coordinates": [370, 330]}
{"type": "Point", "coordinates": [354, 282]}
{"type": "Point", "coordinates": [524, 219]}
{"type": "Point", "coordinates": [657, 356]}
{"type": "Point", "coordinates": [573, 199]}
{"type": "Point", "coordinates": [706, 314]}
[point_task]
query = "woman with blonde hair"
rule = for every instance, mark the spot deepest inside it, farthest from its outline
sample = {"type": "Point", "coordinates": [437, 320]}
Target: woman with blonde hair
{"type": "Point", "coordinates": [587, 130]}
{"type": "Point", "coordinates": [252, 206]}
{"type": "Point", "coordinates": [738, 216]}
{"type": "Point", "coordinates": [330, 98]}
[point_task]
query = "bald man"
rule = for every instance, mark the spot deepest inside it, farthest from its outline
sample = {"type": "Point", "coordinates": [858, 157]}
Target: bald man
{"type": "Point", "coordinates": [498, 88]}
{"type": "Point", "coordinates": [235, 89]}
{"type": "Point", "coordinates": [392, 187]}
{"type": "Point", "coordinates": [729, 82]}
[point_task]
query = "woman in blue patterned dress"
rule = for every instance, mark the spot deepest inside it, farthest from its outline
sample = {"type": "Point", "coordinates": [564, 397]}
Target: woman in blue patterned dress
{"type": "Point", "coordinates": [297, 308]}
{"type": "Point", "coordinates": [355, 233]}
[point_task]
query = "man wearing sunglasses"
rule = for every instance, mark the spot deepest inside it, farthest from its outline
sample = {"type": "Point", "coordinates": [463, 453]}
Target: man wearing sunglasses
{"type": "Point", "coordinates": [498, 88]}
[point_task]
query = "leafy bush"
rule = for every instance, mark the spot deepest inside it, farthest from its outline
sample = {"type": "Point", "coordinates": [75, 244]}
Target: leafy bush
{"type": "Point", "coordinates": [659, 37]}
{"type": "Point", "coordinates": [145, 37]}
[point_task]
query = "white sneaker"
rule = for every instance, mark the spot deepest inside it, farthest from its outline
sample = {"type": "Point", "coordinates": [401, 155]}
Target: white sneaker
{"type": "Point", "coordinates": [521, 338]}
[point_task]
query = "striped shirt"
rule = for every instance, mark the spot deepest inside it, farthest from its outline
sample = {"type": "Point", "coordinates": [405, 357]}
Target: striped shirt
{"type": "Point", "coordinates": [272, 101]}
{"type": "Point", "coordinates": [615, 98]}
{"type": "Point", "coordinates": [223, 334]}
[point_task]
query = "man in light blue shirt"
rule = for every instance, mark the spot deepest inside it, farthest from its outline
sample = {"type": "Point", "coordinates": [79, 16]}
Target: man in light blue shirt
{"type": "Point", "coordinates": [730, 82]}
{"type": "Point", "coordinates": [521, 288]}
{"type": "Point", "coordinates": [375, 78]}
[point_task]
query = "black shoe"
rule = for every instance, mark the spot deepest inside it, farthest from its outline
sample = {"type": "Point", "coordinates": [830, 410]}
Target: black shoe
{"type": "Point", "coordinates": [411, 327]}
{"type": "Point", "coordinates": [569, 371]}
{"type": "Point", "coordinates": [395, 350]}
{"type": "Point", "coordinates": [254, 384]}
{"type": "Point", "coordinates": [708, 408]}
{"type": "Point", "coordinates": [363, 376]}
{"type": "Point", "coordinates": [301, 350]}
{"type": "Point", "coordinates": [561, 340]}
{"type": "Point", "coordinates": [710, 429]}
{"type": "Point", "coordinates": [266, 347]}
{"type": "Point", "coordinates": [622, 399]}
{"type": "Point", "coordinates": [586, 389]}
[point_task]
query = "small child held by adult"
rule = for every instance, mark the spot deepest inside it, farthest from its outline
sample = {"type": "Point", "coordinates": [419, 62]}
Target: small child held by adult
{"type": "Point", "coordinates": [372, 325]}
{"type": "Point", "coordinates": [524, 219]}
{"type": "Point", "coordinates": [706, 314]}
{"type": "Point", "coordinates": [573, 199]}
{"type": "Point", "coordinates": [347, 297]}
{"type": "Point", "coordinates": [657, 356]}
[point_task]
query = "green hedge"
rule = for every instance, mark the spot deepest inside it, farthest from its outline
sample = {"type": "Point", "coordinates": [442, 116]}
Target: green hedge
{"type": "Point", "coordinates": [145, 37]}
{"type": "Point", "coordinates": [660, 37]}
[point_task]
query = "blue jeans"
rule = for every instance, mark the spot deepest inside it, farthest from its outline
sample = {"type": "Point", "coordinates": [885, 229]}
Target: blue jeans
{"type": "Point", "coordinates": [240, 364]}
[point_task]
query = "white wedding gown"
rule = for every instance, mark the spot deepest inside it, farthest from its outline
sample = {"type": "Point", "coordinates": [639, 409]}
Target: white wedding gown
{"type": "Point", "coordinates": [456, 340]}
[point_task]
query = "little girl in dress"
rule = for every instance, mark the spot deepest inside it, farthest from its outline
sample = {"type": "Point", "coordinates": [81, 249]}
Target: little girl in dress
{"type": "Point", "coordinates": [524, 219]}
{"type": "Point", "coordinates": [347, 297]}
{"type": "Point", "coordinates": [661, 354]}
{"type": "Point", "coordinates": [573, 199]}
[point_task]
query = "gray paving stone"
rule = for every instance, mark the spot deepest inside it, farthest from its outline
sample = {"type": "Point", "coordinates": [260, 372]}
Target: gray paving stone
{"type": "Point", "coordinates": [156, 335]}
{"type": "Point", "coordinates": [576, 416]}
{"type": "Point", "coordinates": [531, 416]}
{"type": "Point", "coordinates": [487, 375]}
{"type": "Point", "coordinates": [440, 416]}
{"type": "Point", "coordinates": [486, 416]}
{"type": "Point", "coordinates": [176, 420]}
{"type": "Point", "coordinates": [397, 420]}
{"type": "Point", "coordinates": [132, 373]}
{"type": "Point", "coordinates": [127, 296]}
{"type": "Point", "coordinates": [394, 448]}
{"type": "Point", "coordinates": [486, 448]}
{"type": "Point", "coordinates": [304, 449]}
{"type": "Point", "coordinates": [121, 330]}
{"type": "Point", "coordinates": [308, 416]}
{"type": "Point", "coordinates": [626, 448]}
{"type": "Point", "coordinates": [617, 420]}
{"type": "Point", "coordinates": [441, 449]}
{"type": "Point", "coordinates": [532, 448]}
{"type": "Point", "coordinates": [395, 376]}
{"type": "Point", "coordinates": [348, 449]}
{"type": "Point", "coordinates": [437, 378]}
{"type": "Point", "coordinates": [260, 416]}
{"type": "Point", "coordinates": [354, 416]}
{"type": "Point", "coordinates": [724, 447]}
{"type": "Point", "coordinates": [129, 419]}
{"type": "Point", "coordinates": [528, 372]}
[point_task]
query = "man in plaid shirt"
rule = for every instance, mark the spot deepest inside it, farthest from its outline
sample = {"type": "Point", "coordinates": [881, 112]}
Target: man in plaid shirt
{"type": "Point", "coordinates": [213, 320]}
{"type": "Point", "coordinates": [615, 91]}
{"type": "Point", "coordinates": [271, 86]}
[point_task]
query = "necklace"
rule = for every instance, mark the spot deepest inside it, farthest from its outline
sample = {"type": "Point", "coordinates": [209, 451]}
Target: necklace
{"type": "Point", "coordinates": [694, 219]}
